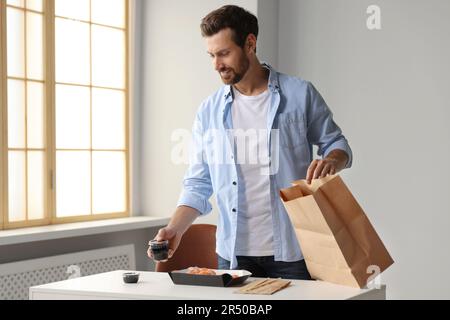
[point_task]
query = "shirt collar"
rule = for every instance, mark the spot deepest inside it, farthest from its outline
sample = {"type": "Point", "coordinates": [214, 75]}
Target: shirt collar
{"type": "Point", "coordinates": [274, 84]}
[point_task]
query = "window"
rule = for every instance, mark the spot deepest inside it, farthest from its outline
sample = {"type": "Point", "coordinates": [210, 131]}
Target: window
{"type": "Point", "coordinates": [64, 111]}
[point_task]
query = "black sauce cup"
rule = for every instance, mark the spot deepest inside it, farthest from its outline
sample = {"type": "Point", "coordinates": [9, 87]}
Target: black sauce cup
{"type": "Point", "coordinates": [130, 277]}
{"type": "Point", "coordinates": [160, 250]}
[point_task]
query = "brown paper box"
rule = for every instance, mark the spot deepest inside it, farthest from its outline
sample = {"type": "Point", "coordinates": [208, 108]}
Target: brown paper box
{"type": "Point", "coordinates": [336, 237]}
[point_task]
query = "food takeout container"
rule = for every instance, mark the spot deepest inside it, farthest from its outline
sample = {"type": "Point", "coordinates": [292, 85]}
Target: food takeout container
{"type": "Point", "coordinates": [223, 278]}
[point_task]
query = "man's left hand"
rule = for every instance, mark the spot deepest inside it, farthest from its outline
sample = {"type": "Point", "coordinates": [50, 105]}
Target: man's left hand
{"type": "Point", "coordinates": [332, 164]}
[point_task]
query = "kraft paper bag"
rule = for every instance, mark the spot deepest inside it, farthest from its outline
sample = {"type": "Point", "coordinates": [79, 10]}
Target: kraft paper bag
{"type": "Point", "coordinates": [337, 239]}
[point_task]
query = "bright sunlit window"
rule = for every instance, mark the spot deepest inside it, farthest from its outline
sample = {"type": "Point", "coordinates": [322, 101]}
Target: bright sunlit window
{"type": "Point", "coordinates": [64, 111]}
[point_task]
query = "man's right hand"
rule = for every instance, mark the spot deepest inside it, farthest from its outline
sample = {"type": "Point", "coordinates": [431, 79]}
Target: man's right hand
{"type": "Point", "coordinates": [167, 233]}
{"type": "Point", "coordinates": [180, 222]}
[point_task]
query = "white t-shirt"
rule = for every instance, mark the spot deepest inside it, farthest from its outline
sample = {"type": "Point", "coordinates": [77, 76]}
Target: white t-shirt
{"type": "Point", "coordinates": [254, 220]}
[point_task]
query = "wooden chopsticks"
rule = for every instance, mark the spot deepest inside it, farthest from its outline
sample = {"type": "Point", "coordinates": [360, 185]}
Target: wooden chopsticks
{"type": "Point", "coordinates": [264, 286]}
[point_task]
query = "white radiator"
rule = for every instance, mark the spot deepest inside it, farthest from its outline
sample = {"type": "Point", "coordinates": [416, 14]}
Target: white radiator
{"type": "Point", "coordinates": [17, 277]}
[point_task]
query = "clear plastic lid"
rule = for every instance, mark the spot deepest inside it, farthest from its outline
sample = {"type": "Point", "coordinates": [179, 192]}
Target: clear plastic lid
{"type": "Point", "coordinates": [155, 244]}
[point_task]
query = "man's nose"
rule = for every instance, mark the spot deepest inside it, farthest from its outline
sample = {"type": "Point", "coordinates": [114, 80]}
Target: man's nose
{"type": "Point", "coordinates": [217, 64]}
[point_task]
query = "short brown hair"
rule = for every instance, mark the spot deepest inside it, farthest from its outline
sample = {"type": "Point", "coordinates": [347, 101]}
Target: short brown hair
{"type": "Point", "coordinates": [239, 20]}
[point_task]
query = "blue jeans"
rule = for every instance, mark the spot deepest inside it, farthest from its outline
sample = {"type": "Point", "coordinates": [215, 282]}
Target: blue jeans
{"type": "Point", "coordinates": [264, 267]}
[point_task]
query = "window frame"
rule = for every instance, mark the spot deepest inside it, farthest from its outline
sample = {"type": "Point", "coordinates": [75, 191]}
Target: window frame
{"type": "Point", "coordinates": [50, 124]}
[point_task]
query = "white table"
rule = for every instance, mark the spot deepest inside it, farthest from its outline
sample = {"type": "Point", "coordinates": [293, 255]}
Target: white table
{"type": "Point", "coordinates": [158, 285]}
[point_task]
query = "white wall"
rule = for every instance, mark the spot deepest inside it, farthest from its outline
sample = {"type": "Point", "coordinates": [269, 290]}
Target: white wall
{"type": "Point", "coordinates": [136, 105]}
{"type": "Point", "coordinates": [389, 92]}
{"type": "Point", "coordinates": [267, 14]}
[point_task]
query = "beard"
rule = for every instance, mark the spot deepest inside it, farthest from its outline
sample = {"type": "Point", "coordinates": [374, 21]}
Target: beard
{"type": "Point", "coordinates": [231, 75]}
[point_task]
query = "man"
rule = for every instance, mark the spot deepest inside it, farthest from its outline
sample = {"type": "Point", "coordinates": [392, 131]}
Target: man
{"type": "Point", "coordinates": [288, 116]}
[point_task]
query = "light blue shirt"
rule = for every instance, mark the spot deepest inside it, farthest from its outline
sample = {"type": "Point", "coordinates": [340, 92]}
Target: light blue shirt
{"type": "Point", "coordinates": [298, 118]}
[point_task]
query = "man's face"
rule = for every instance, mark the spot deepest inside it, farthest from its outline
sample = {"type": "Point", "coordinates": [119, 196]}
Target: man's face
{"type": "Point", "coordinates": [228, 58]}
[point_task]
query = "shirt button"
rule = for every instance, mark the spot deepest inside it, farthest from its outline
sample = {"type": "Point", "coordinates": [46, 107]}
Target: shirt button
{"type": "Point", "coordinates": [234, 210]}
{"type": "Point", "coordinates": [234, 183]}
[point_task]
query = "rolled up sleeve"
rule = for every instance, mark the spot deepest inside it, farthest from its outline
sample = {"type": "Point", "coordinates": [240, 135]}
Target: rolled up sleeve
{"type": "Point", "coordinates": [322, 130]}
{"type": "Point", "coordinates": [197, 187]}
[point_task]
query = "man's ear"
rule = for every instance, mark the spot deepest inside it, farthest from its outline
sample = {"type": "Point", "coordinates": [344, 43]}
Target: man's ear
{"type": "Point", "coordinates": [250, 44]}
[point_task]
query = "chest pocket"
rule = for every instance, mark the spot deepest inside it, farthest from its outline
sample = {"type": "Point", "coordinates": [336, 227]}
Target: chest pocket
{"type": "Point", "coordinates": [292, 129]}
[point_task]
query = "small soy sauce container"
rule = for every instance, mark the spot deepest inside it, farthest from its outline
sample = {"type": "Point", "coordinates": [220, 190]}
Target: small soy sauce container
{"type": "Point", "coordinates": [160, 250]}
{"type": "Point", "coordinates": [130, 277]}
